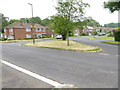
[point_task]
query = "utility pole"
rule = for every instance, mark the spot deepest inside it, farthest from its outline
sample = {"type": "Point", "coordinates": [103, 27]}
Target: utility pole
{"type": "Point", "coordinates": [32, 23]}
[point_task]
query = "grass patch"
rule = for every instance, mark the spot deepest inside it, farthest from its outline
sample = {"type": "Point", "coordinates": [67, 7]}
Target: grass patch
{"type": "Point", "coordinates": [111, 42]}
{"type": "Point", "coordinates": [98, 38]}
{"type": "Point", "coordinates": [59, 44]}
{"type": "Point", "coordinates": [10, 41]}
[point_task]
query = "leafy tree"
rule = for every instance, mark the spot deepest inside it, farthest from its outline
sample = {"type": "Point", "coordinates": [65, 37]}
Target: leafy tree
{"type": "Point", "coordinates": [45, 22]}
{"type": "Point", "coordinates": [112, 25]}
{"type": "Point", "coordinates": [4, 23]}
{"type": "Point", "coordinates": [35, 20]}
{"type": "Point", "coordinates": [25, 20]}
{"type": "Point", "coordinates": [68, 11]}
{"type": "Point", "coordinates": [112, 6]}
{"type": "Point", "coordinates": [93, 23]}
{"type": "Point", "coordinates": [13, 21]}
{"type": "Point", "coordinates": [61, 25]}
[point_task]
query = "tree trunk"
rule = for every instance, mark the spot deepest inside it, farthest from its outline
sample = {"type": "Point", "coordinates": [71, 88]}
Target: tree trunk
{"type": "Point", "coordinates": [64, 37]}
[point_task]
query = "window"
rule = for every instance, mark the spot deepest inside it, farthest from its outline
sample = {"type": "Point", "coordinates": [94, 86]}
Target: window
{"type": "Point", "coordinates": [11, 30]}
{"type": "Point", "coordinates": [38, 30]}
{"type": "Point", "coordinates": [43, 29]}
{"type": "Point", "coordinates": [28, 29]}
{"type": "Point", "coordinates": [28, 36]}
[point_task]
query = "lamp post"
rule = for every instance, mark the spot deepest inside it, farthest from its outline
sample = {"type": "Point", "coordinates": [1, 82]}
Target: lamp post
{"type": "Point", "coordinates": [32, 23]}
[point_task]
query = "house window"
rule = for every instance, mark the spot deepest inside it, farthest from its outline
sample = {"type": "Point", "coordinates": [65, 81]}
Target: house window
{"type": "Point", "coordinates": [38, 30]}
{"type": "Point", "coordinates": [28, 29]}
{"type": "Point", "coordinates": [43, 29]}
{"type": "Point", "coordinates": [11, 30]}
{"type": "Point", "coordinates": [28, 36]}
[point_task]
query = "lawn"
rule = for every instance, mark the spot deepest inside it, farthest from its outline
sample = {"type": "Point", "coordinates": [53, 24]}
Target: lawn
{"type": "Point", "coordinates": [59, 44]}
{"type": "Point", "coordinates": [111, 42]}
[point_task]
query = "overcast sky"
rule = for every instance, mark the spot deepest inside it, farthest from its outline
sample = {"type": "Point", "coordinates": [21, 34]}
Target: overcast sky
{"type": "Point", "coordinates": [15, 9]}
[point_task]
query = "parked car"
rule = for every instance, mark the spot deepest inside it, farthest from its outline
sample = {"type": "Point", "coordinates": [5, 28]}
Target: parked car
{"type": "Point", "coordinates": [59, 37]}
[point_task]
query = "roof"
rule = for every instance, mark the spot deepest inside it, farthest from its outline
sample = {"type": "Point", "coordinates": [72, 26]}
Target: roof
{"type": "Point", "coordinates": [24, 25]}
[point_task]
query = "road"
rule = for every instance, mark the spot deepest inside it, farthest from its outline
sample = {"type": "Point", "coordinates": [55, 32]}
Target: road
{"type": "Point", "coordinates": [82, 69]}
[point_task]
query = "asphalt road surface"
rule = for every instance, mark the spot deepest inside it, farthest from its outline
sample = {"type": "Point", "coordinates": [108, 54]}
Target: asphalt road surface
{"type": "Point", "coordinates": [82, 69]}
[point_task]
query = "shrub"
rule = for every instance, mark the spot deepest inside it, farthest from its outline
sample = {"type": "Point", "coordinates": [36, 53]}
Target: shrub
{"type": "Point", "coordinates": [3, 39]}
{"type": "Point", "coordinates": [84, 34]}
{"type": "Point", "coordinates": [117, 35]}
{"type": "Point", "coordinates": [94, 33]}
{"type": "Point", "coordinates": [43, 36]}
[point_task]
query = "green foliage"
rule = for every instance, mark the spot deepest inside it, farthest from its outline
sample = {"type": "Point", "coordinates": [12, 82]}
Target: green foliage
{"type": "Point", "coordinates": [69, 11]}
{"type": "Point", "coordinates": [84, 34]}
{"type": "Point", "coordinates": [43, 36]}
{"type": "Point", "coordinates": [13, 21]}
{"type": "Point", "coordinates": [4, 21]}
{"type": "Point", "coordinates": [94, 33]}
{"type": "Point", "coordinates": [117, 35]}
{"type": "Point", "coordinates": [45, 22]}
{"type": "Point", "coordinates": [35, 20]}
{"type": "Point", "coordinates": [93, 23]}
{"type": "Point", "coordinates": [112, 6]}
{"type": "Point", "coordinates": [3, 39]}
{"type": "Point", "coordinates": [112, 25]}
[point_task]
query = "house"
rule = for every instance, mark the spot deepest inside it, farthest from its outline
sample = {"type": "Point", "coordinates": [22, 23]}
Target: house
{"type": "Point", "coordinates": [22, 30]}
{"type": "Point", "coordinates": [89, 30]}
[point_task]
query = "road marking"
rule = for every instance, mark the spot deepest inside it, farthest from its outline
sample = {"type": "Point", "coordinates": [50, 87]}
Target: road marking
{"type": "Point", "coordinates": [104, 54]}
{"type": "Point", "coordinates": [39, 77]}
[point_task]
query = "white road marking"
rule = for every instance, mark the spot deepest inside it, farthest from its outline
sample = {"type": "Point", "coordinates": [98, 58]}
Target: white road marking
{"type": "Point", "coordinates": [39, 77]}
{"type": "Point", "coordinates": [104, 54]}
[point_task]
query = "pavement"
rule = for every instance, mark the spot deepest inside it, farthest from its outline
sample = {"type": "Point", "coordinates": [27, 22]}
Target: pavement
{"type": "Point", "coordinates": [81, 69]}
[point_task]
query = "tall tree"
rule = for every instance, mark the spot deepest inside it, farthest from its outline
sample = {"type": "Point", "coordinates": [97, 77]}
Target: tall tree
{"type": "Point", "coordinates": [4, 22]}
{"type": "Point", "coordinates": [69, 11]}
{"type": "Point", "coordinates": [112, 6]}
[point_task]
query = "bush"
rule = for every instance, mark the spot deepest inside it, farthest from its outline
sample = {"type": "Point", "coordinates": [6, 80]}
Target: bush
{"type": "Point", "coordinates": [43, 36]}
{"type": "Point", "coordinates": [94, 33]}
{"type": "Point", "coordinates": [3, 39]}
{"type": "Point", "coordinates": [84, 34]}
{"type": "Point", "coordinates": [117, 35]}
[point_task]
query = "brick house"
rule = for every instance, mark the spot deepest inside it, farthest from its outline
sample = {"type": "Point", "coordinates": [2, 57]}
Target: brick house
{"type": "Point", "coordinates": [24, 30]}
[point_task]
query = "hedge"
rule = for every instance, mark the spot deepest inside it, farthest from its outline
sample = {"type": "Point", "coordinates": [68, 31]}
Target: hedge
{"type": "Point", "coordinates": [117, 35]}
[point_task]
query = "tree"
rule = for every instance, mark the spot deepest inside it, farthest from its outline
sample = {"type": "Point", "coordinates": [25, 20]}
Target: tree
{"type": "Point", "coordinates": [4, 23]}
{"type": "Point", "coordinates": [68, 11]}
{"type": "Point", "coordinates": [35, 20]}
{"type": "Point", "coordinates": [93, 23]}
{"type": "Point", "coordinates": [112, 6]}
{"type": "Point", "coordinates": [61, 25]}
{"type": "Point", "coordinates": [112, 25]}
{"type": "Point", "coordinates": [13, 21]}
{"type": "Point", "coordinates": [45, 22]}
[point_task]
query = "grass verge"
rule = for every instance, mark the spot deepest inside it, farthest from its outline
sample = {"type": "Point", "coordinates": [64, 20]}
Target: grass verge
{"type": "Point", "coordinates": [10, 41]}
{"type": "Point", "coordinates": [111, 42]}
{"type": "Point", "coordinates": [59, 44]}
{"type": "Point", "coordinates": [97, 38]}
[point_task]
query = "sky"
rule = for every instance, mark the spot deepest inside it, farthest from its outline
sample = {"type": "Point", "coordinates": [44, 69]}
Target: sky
{"type": "Point", "coordinates": [16, 9]}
